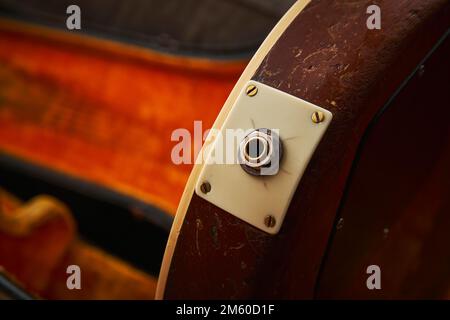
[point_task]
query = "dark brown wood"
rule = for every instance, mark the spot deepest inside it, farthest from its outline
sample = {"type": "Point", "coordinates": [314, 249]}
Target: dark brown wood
{"type": "Point", "coordinates": [328, 57]}
{"type": "Point", "coordinates": [51, 116]}
{"type": "Point", "coordinates": [396, 210]}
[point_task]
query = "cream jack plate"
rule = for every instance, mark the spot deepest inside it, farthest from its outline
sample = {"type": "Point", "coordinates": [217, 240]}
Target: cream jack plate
{"type": "Point", "coordinates": [262, 201]}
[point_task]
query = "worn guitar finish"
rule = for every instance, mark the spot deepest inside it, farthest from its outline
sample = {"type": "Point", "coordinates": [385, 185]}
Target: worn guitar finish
{"type": "Point", "coordinates": [396, 204]}
{"type": "Point", "coordinates": [328, 57]}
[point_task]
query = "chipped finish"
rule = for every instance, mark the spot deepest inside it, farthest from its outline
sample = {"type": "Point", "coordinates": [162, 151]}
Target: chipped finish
{"type": "Point", "coordinates": [358, 70]}
{"type": "Point", "coordinates": [327, 57]}
{"type": "Point", "coordinates": [241, 245]}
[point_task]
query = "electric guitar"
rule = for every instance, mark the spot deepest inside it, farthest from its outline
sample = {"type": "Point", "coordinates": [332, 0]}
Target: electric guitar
{"type": "Point", "coordinates": [364, 180]}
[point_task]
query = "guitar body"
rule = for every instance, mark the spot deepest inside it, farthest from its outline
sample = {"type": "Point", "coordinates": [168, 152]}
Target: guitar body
{"type": "Point", "coordinates": [376, 189]}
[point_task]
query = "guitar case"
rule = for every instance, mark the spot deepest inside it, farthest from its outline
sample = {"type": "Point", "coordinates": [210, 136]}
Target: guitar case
{"type": "Point", "coordinates": [374, 195]}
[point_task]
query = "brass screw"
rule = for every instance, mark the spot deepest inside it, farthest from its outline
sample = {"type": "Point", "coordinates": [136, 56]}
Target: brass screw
{"type": "Point", "coordinates": [318, 117]}
{"type": "Point", "coordinates": [251, 90]}
{"type": "Point", "coordinates": [270, 221]}
{"type": "Point", "coordinates": [205, 187]}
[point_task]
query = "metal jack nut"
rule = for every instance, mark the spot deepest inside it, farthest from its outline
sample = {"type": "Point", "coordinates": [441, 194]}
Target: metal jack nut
{"type": "Point", "coordinates": [260, 152]}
